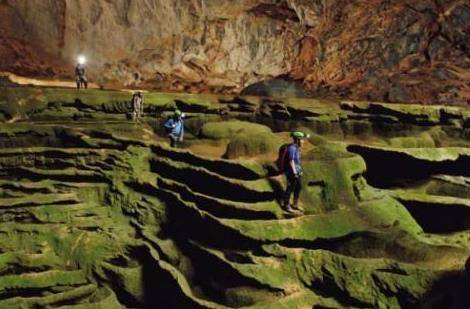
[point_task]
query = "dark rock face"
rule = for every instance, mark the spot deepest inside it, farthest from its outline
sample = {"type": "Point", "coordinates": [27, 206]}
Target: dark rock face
{"type": "Point", "coordinates": [467, 267]}
{"type": "Point", "coordinates": [413, 51]}
{"type": "Point", "coordinates": [276, 88]}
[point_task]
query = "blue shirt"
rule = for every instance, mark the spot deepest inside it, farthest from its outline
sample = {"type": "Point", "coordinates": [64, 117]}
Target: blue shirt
{"type": "Point", "coordinates": [174, 127]}
{"type": "Point", "coordinates": [293, 154]}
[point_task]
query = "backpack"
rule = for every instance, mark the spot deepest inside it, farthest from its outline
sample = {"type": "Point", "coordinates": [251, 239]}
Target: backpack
{"type": "Point", "coordinates": [282, 157]}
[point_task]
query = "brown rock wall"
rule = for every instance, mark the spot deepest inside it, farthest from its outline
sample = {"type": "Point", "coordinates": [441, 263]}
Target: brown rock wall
{"type": "Point", "coordinates": [406, 51]}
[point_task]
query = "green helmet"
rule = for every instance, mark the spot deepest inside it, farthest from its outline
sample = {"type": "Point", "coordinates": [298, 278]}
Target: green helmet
{"type": "Point", "coordinates": [177, 113]}
{"type": "Point", "coordinates": [298, 135]}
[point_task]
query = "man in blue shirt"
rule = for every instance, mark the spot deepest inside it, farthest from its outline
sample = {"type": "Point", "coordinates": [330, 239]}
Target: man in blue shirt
{"type": "Point", "coordinates": [293, 171]}
{"type": "Point", "coordinates": [174, 126]}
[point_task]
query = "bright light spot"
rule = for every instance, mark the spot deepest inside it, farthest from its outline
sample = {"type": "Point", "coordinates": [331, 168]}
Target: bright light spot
{"type": "Point", "coordinates": [81, 59]}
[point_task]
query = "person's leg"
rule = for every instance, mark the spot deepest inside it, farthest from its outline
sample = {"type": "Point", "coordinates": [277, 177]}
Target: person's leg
{"type": "Point", "coordinates": [172, 140]}
{"type": "Point", "coordinates": [288, 193]}
{"type": "Point", "coordinates": [77, 80]}
{"type": "Point", "coordinates": [297, 188]}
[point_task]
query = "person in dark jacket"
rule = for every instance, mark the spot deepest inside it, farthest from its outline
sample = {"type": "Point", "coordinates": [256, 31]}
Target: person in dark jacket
{"type": "Point", "coordinates": [174, 127]}
{"type": "Point", "coordinates": [80, 76]}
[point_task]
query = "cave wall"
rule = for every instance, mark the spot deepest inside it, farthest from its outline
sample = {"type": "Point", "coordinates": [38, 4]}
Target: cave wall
{"type": "Point", "coordinates": [413, 51]}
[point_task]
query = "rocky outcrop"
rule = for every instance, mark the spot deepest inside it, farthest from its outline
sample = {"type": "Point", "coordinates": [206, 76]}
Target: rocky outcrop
{"type": "Point", "coordinates": [376, 50]}
{"type": "Point", "coordinates": [97, 211]}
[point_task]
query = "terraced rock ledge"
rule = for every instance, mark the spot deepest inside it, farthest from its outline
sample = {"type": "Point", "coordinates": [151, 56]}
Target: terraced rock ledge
{"type": "Point", "coordinates": [98, 212]}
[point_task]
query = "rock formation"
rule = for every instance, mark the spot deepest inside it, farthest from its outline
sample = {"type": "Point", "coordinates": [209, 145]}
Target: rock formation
{"type": "Point", "coordinates": [96, 210]}
{"type": "Point", "coordinates": [394, 51]}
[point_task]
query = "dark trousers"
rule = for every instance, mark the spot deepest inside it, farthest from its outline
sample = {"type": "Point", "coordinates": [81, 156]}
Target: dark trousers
{"type": "Point", "coordinates": [293, 186]}
{"type": "Point", "coordinates": [81, 80]}
{"type": "Point", "coordinates": [173, 140]}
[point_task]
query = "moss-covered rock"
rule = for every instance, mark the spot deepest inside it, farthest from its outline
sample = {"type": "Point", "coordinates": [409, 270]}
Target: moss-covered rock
{"type": "Point", "coordinates": [423, 140]}
{"type": "Point", "coordinates": [96, 212]}
{"type": "Point", "coordinates": [228, 129]}
{"type": "Point", "coordinates": [247, 144]}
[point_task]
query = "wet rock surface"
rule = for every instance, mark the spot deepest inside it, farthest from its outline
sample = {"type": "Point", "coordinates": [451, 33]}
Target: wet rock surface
{"type": "Point", "coordinates": [414, 51]}
{"type": "Point", "coordinates": [96, 210]}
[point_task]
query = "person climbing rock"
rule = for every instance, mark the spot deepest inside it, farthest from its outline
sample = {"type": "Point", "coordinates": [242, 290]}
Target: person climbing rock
{"type": "Point", "coordinates": [137, 104]}
{"type": "Point", "coordinates": [293, 171]}
{"type": "Point", "coordinates": [80, 76]}
{"type": "Point", "coordinates": [174, 127]}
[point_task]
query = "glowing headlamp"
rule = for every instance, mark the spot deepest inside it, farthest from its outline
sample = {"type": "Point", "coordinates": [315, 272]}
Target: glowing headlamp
{"type": "Point", "coordinates": [81, 59]}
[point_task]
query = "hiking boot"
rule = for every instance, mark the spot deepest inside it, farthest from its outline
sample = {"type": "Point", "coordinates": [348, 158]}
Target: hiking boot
{"type": "Point", "coordinates": [296, 207]}
{"type": "Point", "coordinates": [288, 208]}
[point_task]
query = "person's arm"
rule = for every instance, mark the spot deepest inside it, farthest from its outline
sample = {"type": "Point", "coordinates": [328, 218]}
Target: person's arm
{"type": "Point", "coordinates": [182, 130]}
{"type": "Point", "coordinates": [291, 155]}
{"type": "Point", "coordinates": [292, 165]}
{"type": "Point", "coordinates": [169, 124]}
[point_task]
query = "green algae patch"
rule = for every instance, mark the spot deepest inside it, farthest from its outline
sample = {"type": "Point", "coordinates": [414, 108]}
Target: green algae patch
{"type": "Point", "coordinates": [43, 279]}
{"type": "Point", "coordinates": [18, 103]}
{"type": "Point", "coordinates": [228, 129]}
{"type": "Point", "coordinates": [329, 175]}
{"type": "Point", "coordinates": [424, 154]}
{"type": "Point", "coordinates": [95, 213]}
{"type": "Point", "coordinates": [364, 284]}
{"type": "Point", "coordinates": [247, 144]}
{"type": "Point", "coordinates": [387, 212]}
{"type": "Point", "coordinates": [311, 227]}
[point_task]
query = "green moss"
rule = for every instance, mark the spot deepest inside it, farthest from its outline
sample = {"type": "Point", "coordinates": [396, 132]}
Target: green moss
{"type": "Point", "coordinates": [448, 186]}
{"type": "Point", "coordinates": [328, 178]}
{"type": "Point", "coordinates": [426, 154]}
{"type": "Point", "coordinates": [228, 129]}
{"type": "Point", "coordinates": [301, 299]}
{"type": "Point", "coordinates": [310, 227]}
{"type": "Point", "coordinates": [423, 140]}
{"type": "Point", "coordinates": [103, 298]}
{"type": "Point", "coordinates": [18, 102]}
{"type": "Point", "coordinates": [130, 278]}
{"type": "Point", "coordinates": [31, 302]}
{"type": "Point", "coordinates": [178, 171]}
{"type": "Point", "coordinates": [43, 280]}
{"type": "Point", "coordinates": [248, 296]}
{"type": "Point", "coordinates": [246, 144]}
{"type": "Point", "coordinates": [81, 208]}
{"type": "Point", "coordinates": [387, 212]}
{"type": "Point", "coordinates": [364, 284]}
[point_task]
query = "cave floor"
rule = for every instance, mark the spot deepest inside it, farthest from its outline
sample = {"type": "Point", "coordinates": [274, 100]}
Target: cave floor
{"type": "Point", "coordinates": [98, 212]}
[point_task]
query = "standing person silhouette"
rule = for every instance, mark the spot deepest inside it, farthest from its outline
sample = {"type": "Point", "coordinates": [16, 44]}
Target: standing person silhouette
{"type": "Point", "coordinates": [80, 76]}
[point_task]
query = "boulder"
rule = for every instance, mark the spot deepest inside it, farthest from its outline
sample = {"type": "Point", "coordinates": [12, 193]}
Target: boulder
{"type": "Point", "coordinates": [228, 129]}
{"type": "Point", "coordinates": [246, 144]}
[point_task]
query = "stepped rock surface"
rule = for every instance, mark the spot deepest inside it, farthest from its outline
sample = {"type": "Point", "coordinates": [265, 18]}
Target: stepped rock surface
{"type": "Point", "coordinates": [393, 51]}
{"type": "Point", "coordinates": [98, 212]}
